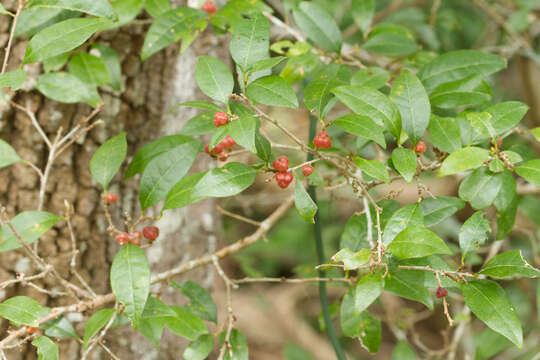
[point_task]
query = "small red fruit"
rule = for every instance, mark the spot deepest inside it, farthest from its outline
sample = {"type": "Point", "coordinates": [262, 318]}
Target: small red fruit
{"type": "Point", "coordinates": [122, 238]}
{"type": "Point", "coordinates": [322, 140]}
{"type": "Point", "coordinates": [441, 292]}
{"type": "Point", "coordinates": [216, 150]}
{"type": "Point", "coordinates": [499, 142]}
{"type": "Point", "coordinates": [228, 142]}
{"type": "Point", "coordinates": [135, 238]}
{"type": "Point", "coordinates": [419, 148]}
{"type": "Point", "coordinates": [222, 156]}
{"type": "Point", "coordinates": [150, 232]}
{"type": "Point", "coordinates": [307, 170]}
{"type": "Point", "coordinates": [111, 198]}
{"type": "Point", "coordinates": [209, 7]}
{"type": "Point", "coordinates": [31, 329]}
{"type": "Point", "coordinates": [281, 164]}
{"type": "Point", "coordinates": [220, 119]}
{"type": "Point", "coordinates": [284, 179]}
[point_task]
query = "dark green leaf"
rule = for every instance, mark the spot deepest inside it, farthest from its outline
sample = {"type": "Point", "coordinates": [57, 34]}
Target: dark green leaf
{"type": "Point", "coordinates": [130, 280]}
{"type": "Point", "coordinates": [89, 69]}
{"type": "Point", "coordinates": [67, 88]}
{"type": "Point", "coordinates": [214, 78]}
{"type": "Point", "coordinates": [200, 124]}
{"type": "Point", "coordinates": [304, 204]}
{"type": "Point", "coordinates": [415, 242]}
{"type": "Point", "coordinates": [361, 325]}
{"type": "Point", "coordinates": [362, 126]}
{"type": "Point", "coordinates": [157, 7]}
{"type": "Point", "coordinates": [126, 10]}
{"type": "Point", "coordinates": [250, 41]}
{"type": "Point", "coordinates": [46, 348]}
{"type": "Point", "coordinates": [61, 37]}
{"type": "Point", "coordinates": [472, 90]}
{"type": "Point", "coordinates": [506, 115]}
{"type": "Point", "coordinates": [200, 348]}
{"type": "Point", "coordinates": [354, 233]}
{"type": "Point", "coordinates": [99, 8]}
{"type": "Point", "coordinates": [239, 346]}
{"type": "Point", "coordinates": [266, 64]}
{"type": "Point", "coordinates": [372, 76]}
{"type": "Point", "coordinates": [30, 225]}
{"type": "Point", "coordinates": [12, 79]}
{"type": "Point", "coordinates": [362, 13]}
{"type": "Point", "coordinates": [318, 25]}
{"type": "Point", "coordinates": [243, 130]}
{"type": "Point", "coordinates": [263, 146]}
{"type": "Point", "coordinates": [444, 133]}
{"type": "Point", "coordinates": [463, 159]}
{"type": "Point", "coordinates": [186, 324]}
{"type": "Point", "coordinates": [317, 94]}
{"type": "Point", "coordinates": [21, 310]}
{"type": "Point", "coordinates": [96, 323]}
{"type": "Point", "coordinates": [404, 160]}
{"type": "Point", "coordinates": [409, 285]}
{"type": "Point", "coordinates": [509, 264]}
{"type": "Point", "coordinates": [182, 192]}
{"type": "Point", "coordinates": [390, 39]}
{"type": "Point", "coordinates": [473, 233]}
{"type": "Point", "coordinates": [489, 302]}
{"type": "Point", "coordinates": [112, 64]}
{"type": "Point", "coordinates": [201, 303]}
{"type": "Point", "coordinates": [507, 192]}
{"type": "Point", "coordinates": [8, 155]}
{"type": "Point", "coordinates": [373, 168]}
{"type": "Point", "coordinates": [413, 104]}
{"type": "Point", "coordinates": [530, 171]}
{"type": "Point", "coordinates": [480, 188]}
{"type": "Point", "coordinates": [408, 216]}
{"type": "Point", "coordinates": [367, 290]}
{"type": "Point", "coordinates": [273, 91]}
{"type": "Point", "coordinates": [107, 159]}
{"type": "Point", "coordinates": [436, 210]}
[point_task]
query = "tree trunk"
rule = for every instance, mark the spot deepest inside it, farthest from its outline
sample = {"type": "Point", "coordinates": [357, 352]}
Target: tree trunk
{"type": "Point", "coordinates": [141, 110]}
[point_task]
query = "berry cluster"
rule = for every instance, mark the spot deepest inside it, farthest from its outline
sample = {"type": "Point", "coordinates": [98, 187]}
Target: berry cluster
{"type": "Point", "coordinates": [283, 177]}
{"type": "Point", "coordinates": [220, 150]}
{"type": "Point", "coordinates": [209, 7]}
{"type": "Point", "coordinates": [135, 237]}
{"type": "Point", "coordinates": [441, 292]}
{"type": "Point", "coordinates": [322, 140]}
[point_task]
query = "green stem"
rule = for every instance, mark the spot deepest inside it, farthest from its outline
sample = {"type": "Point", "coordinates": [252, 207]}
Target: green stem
{"type": "Point", "coordinates": [321, 259]}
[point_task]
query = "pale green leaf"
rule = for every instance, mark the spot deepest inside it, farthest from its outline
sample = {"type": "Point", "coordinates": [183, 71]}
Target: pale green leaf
{"type": "Point", "coordinates": [273, 91]}
{"type": "Point", "coordinates": [305, 206]}
{"type": "Point", "coordinates": [473, 233]}
{"type": "Point", "coordinates": [89, 69]}
{"type": "Point", "coordinates": [250, 41]}
{"type": "Point", "coordinates": [99, 8]}
{"type": "Point", "coordinates": [508, 265]}
{"type": "Point", "coordinates": [408, 216]}
{"type": "Point", "coordinates": [67, 88]}
{"type": "Point", "coordinates": [318, 25]}
{"type": "Point", "coordinates": [21, 310]}
{"type": "Point", "coordinates": [12, 79]}
{"type": "Point", "coordinates": [46, 348]}
{"type": "Point", "coordinates": [200, 348]}
{"type": "Point", "coordinates": [214, 78]}
{"type": "Point", "coordinates": [362, 126]}
{"type": "Point", "coordinates": [373, 168]}
{"type": "Point", "coordinates": [463, 159]}
{"type": "Point", "coordinates": [107, 159]}
{"type": "Point", "coordinates": [96, 322]}
{"type": "Point", "coordinates": [362, 13]}
{"type": "Point", "coordinates": [157, 7]}
{"type": "Point", "coordinates": [30, 225]}
{"type": "Point", "coordinates": [444, 133]}
{"type": "Point", "coordinates": [440, 208]}
{"type": "Point", "coordinates": [404, 161]}
{"type": "Point", "coordinates": [415, 242]}
{"type": "Point", "coordinates": [8, 155]}
{"type": "Point", "coordinates": [530, 171]}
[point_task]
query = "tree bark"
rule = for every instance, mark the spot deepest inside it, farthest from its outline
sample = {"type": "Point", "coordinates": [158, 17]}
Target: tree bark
{"type": "Point", "coordinates": [141, 110]}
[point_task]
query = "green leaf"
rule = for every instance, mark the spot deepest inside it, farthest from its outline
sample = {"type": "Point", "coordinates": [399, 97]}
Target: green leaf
{"type": "Point", "coordinates": [472, 90]}
{"type": "Point", "coordinates": [445, 133]}
{"type": "Point", "coordinates": [404, 160]}
{"type": "Point", "coordinates": [354, 233]}
{"type": "Point", "coordinates": [507, 192]}
{"type": "Point", "coordinates": [266, 64]}
{"type": "Point", "coordinates": [182, 192]}
{"type": "Point", "coordinates": [317, 94]}
{"type": "Point", "coordinates": [362, 126]}
{"type": "Point", "coordinates": [186, 324]}
{"type": "Point", "coordinates": [239, 346]}
{"type": "Point", "coordinates": [107, 159]}
{"type": "Point", "coordinates": [12, 79]}
{"type": "Point", "coordinates": [60, 328]}
{"type": "Point", "coordinates": [463, 159]}
{"type": "Point", "coordinates": [530, 171]}
{"type": "Point", "coordinates": [243, 130]}
{"type": "Point", "coordinates": [506, 219]}
{"type": "Point", "coordinates": [4, 11]}
{"type": "Point", "coordinates": [373, 168]}
{"type": "Point", "coordinates": [362, 13]}
{"type": "Point", "coordinates": [372, 77]}
{"type": "Point", "coordinates": [352, 260]}
{"type": "Point", "coordinates": [157, 7]}
{"type": "Point", "coordinates": [489, 343]}
{"type": "Point", "coordinates": [32, 21]}
{"type": "Point", "coordinates": [126, 10]}
{"type": "Point", "coordinates": [233, 12]}
{"type": "Point", "coordinates": [30, 225]}
{"type": "Point", "coordinates": [273, 91]}
{"type": "Point", "coordinates": [183, 23]}
{"type": "Point", "coordinates": [506, 115]}
{"type": "Point", "coordinates": [489, 302]}
{"type": "Point", "coordinates": [67, 88]}
{"type": "Point", "coordinates": [263, 146]}
{"type": "Point", "coordinates": [403, 351]}
{"type": "Point", "coordinates": [509, 264]}
{"type": "Point", "coordinates": [61, 37]}
{"type": "Point", "coordinates": [96, 323]}
{"type": "Point", "coordinates": [8, 155]}
{"type": "Point", "coordinates": [366, 101]}
{"type": "Point", "coordinates": [250, 41]}
{"type": "Point", "coordinates": [408, 216]}
{"type": "Point", "coordinates": [200, 124]}
{"type": "Point", "coordinates": [165, 170]}
{"type": "Point", "coordinates": [439, 209]}
{"type": "Point", "coordinates": [130, 280]}
{"type": "Point", "coordinates": [99, 8]}
{"type": "Point", "coordinates": [201, 303]}
{"type": "Point", "coordinates": [536, 133]}
{"type": "Point", "coordinates": [473, 233]}
{"type": "Point", "coordinates": [153, 319]}
{"type": "Point", "coordinates": [21, 310]}
{"type": "Point", "coordinates": [304, 204]}
{"type": "Point", "coordinates": [56, 62]}
{"type": "Point", "coordinates": [89, 69]}
{"type": "Point", "coordinates": [413, 104]}
{"type": "Point", "coordinates": [318, 25]}
{"type": "Point", "coordinates": [415, 242]}
{"type": "Point", "coordinates": [409, 285]}
{"type": "Point", "coordinates": [112, 63]}
{"type": "Point", "coordinates": [362, 325]}
{"type": "Point", "coordinates": [457, 65]}
{"type": "Point", "coordinates": [214, 78]}
{"type": "Point", "coordinates": [367, 290]}
{"type": "Point", "coordinates": [200, 348]}
{"type": "Point", "coordinates": [390, 39]}
{"type": "Point", "coordinates": [480, 188]}
{"type": "Point", "coordinates": [46, 348]}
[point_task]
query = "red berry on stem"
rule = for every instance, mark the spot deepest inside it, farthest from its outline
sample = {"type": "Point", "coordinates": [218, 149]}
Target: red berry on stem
{"type": "Point", "coordinates": [150, 232]}
{"type": "Point", "coordinates": [111, 198]}
{"type": "Point", "coordinates": [322, 140]}
{"type": "Point", "coordinates": [135, 238]}
{"type": "Point", "coordinates": [499, 142]}
{"type": "Point", "coordinates": [31, 329]}
{"type": "Point", "coordinates": [420, 147]}
{"type": "Point", "coordinates": [122, 238]}
{"type": "Point", "coordinates": [209, 7]}
{"type": "Point", "coordinates": [284, 179]}
{"type": "Point", "coordinates": [222, 156]}
{"type": "Point", "coordinates": [307, 170]}
{"type": "Point", "coordinates": [228, 142]}
{"type": "Point", "coordinates": [281, 164]}
{"type": "Point", "coordinates": [220, 119]}
{"type": "Point", "coordinates": [441, 292]}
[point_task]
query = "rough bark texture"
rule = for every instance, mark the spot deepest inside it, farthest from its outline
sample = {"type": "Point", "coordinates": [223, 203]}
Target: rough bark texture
{"type": "Point", "coordinates": [151, 88]}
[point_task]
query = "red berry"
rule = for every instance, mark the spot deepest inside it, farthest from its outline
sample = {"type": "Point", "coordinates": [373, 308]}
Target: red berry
{"type": "Point", "coordinates": [441, 292]}
{"type": "Point", "coordinates": [284, 179]}
{"type": "Point", "coordinates": [135, 238]}
{"type": "Point", "coordinates": [111, 198]}
{"type": "Point", "coordinates": [307, 170]}
{"type": "Point", "coordinates": [420, 147]}
{"type": "Point", "coordinates": [216, 150]}
{"type": "Point", "coordinates": [122, 238]}
{"type": "Point", "coordinates": [209, 7]}
{"type": "Point", "coordinates": [31, 329]}
{"type": "Point", "coordinates": [220, 119]}
{"type": "Point", "coordinates": [281, 164]}
{"type": "Point", "coordinates": [222, 156]}
{"type": "Point", "coordinates": [150, 232]}
{"type": "Point", "coordinates": [322, 140]}
{"type": "Point", "coordinates": [499, 142]}
{"type": "Point", "coordinates": [228, 142]}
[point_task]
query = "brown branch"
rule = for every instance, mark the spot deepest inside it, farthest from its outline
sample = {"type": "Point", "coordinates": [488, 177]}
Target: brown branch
{"type": "Point", "coordinates": [20, 8]}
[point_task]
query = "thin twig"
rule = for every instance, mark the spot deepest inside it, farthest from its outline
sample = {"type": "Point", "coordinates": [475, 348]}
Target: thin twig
{"type": "Point", "coordinates": [20, 8]}
{"type": "Point", "coordinates": [230, 315]}
{"type": "Point", "coordinates": [237, 217]}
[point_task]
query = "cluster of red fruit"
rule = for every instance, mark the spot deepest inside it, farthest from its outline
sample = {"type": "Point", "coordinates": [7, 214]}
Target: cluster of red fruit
{"type": "Point", "coordinates": [135, 237]}
{"type": "Point", "coordinates": [322, 140]}
{"type": "Point", "coordinates": [284, 177]}
{"type": "Point", "coordinates": [441, 292]}
{"type": "Point", "coordinates": [209, 7]}
{"type": "Point", "coordinates": [220, 150]}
